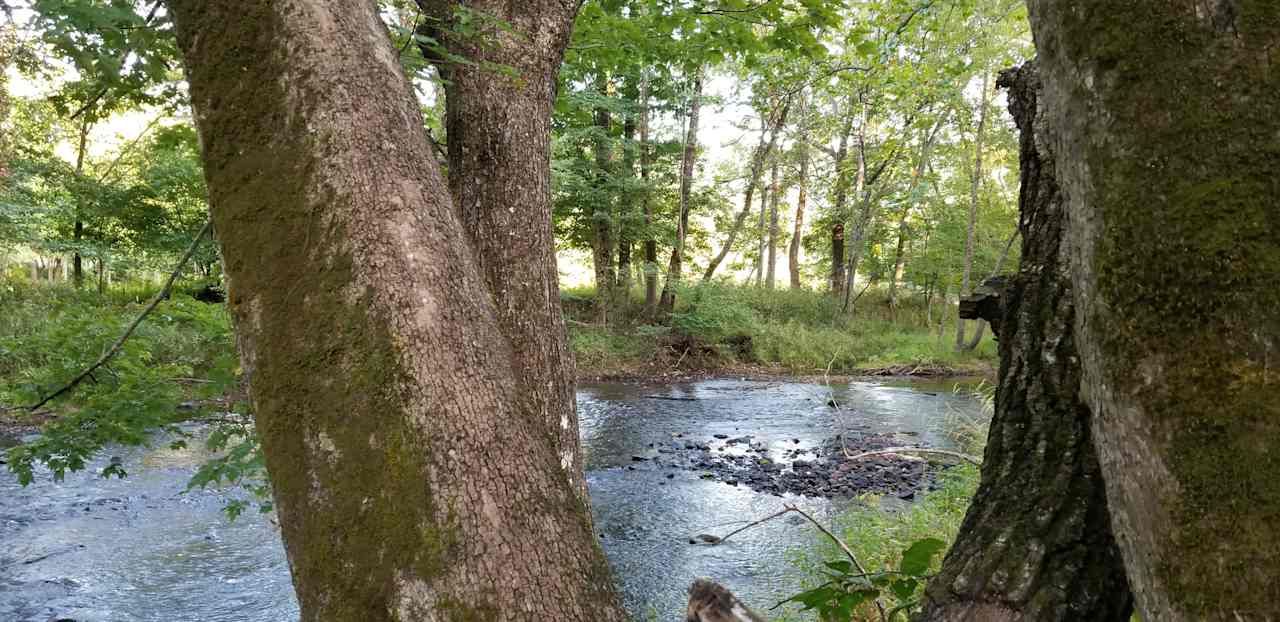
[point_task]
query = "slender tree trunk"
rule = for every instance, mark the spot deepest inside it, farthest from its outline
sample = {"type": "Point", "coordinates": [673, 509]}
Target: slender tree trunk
{"type": "Point", "coordinates": [414, 477]}
{"type": "Point", "coordinates": [77, 262]}
{"type": "Point", "coordinates": [917, 174]}
{"type": "Point", "coordinates": [650, 244]}
{"type": "Point", "coordinates": [974, 186]}
{"type": "Point", "coordinates": [775, 191]}
{"type": "Point", "coordinates": [667, 303]}
{"type": "Point", "coordinates": [772, 127]}
{"type": "Point", "coordinates": [1166, 118]}
{"type": "Point", "coordinates": [627, 219]}
{"type": "Point", "coordinates": [499, 133]}
{"type": "Point", "coordinates": [602, 218]}
{"type": "Point", "coordinates": [855, 242]}
{"type": "Point", "coordinates": [838, 205]}
{"type": "Point", "coordinates": [802, 199]}
{"type": "Point", "coordinates": [1036, 543]}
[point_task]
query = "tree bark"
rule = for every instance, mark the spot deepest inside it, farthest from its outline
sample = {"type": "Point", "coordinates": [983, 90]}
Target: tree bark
{"type": "Point", "coordinates": [499, 136]}
{"type": "Point", "coordinates": [773, 126]}
{"type": "Point", "coordinates": [802, 199]}
{"type": "Point", "coordinates": [1036, 543]}
{"type": "Point", "coordinates": [1165, 119]}
{"type": "Point", "coordinates": [974, 186]}
{"type": "Point", "coordinates": [413, 476]}
{"type": "Point", "coordinates": [667, 303]}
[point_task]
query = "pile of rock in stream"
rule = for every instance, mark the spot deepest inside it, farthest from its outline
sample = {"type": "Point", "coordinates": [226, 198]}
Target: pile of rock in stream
{"type": "Point", "coordinates": [820, 471]}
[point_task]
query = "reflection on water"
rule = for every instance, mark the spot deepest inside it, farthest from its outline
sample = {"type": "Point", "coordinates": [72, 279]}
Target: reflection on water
{"type": "Point", "coordinates": [138, 549]}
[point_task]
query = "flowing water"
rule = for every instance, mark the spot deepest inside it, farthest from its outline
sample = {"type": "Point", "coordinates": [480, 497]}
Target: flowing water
{"type": "Point", "coordinates": [139, 549]}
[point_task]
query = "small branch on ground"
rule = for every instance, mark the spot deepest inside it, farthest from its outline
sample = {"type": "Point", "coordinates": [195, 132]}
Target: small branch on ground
{"type": "Point", "coordinates": [119, 343]}
{"type": "Point", "coordinates": [917, 450]}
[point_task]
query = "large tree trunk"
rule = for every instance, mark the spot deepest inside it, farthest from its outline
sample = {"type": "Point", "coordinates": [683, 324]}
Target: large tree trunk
{"type": "Point", "coordinates": [414, 477]}
{"type": "Point", "coordinates": [974, 185]}
{"type": "Point", "coordinates": [773, 125]}
{"type": "Point", "coordinates": [1165, 120]}
{"type": "Point", "coordinates": [1036, 543]}
{"type": "Point", "coordinates": [793, 251]}
{"type": "Point", "coordinates": [837, 259]}
{"type": "Point", "coordinates": [499, 133]}
{"type": "Point", "coordinates": [667, 303]}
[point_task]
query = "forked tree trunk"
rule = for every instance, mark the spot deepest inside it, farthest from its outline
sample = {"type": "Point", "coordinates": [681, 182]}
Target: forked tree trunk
{"type": "Point", "coordinates": [1036, 543]}
{"type": "Point", "coordinates": [413, 476]}
{"type": "Point", "coordinates": [688, 161]}
{"type": "Point", "coordinates": [499, 131]}
{"type": "Point", "coordinates": [772, 126]}
{"type": "Point", "coordinates": [1166, 117]}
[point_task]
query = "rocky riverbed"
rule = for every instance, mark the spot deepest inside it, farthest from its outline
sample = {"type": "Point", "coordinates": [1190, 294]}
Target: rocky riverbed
{"type": "Point", "coordinates": [822, 470]}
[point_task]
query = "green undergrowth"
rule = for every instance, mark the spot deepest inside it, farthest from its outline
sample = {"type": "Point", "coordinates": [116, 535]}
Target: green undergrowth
{"type": "Point", "coordinates": [791, 331]}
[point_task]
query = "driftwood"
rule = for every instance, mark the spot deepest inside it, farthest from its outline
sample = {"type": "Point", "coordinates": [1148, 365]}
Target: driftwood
{"type": "Point", "coordinates": [711, 602]}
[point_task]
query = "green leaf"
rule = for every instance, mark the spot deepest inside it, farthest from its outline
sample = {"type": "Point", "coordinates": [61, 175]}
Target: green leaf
{"type": "Point", "coordinates": [916, 559]}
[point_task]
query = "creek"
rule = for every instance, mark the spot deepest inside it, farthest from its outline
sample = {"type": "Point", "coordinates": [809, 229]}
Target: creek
{"type": "Point", "coordinates": [141, 550]}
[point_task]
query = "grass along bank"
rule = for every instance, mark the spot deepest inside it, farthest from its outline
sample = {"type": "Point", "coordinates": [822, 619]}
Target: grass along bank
{"type": "Point", "coordinates": [730, 329]}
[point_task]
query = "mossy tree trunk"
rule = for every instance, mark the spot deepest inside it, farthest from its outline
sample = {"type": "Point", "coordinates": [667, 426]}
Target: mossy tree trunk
{"type": "Point", "coordinates": [1166, 123]}
{"type": "Point", "coordinates": [414, 477]}
{"type": "Point", "coordinates": [1036, 544]}
{"type": "Point", "coordinates": [499, 136]}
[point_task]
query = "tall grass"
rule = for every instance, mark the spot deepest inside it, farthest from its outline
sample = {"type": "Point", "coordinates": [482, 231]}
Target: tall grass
{"type": "Point", "coordinates": [795, 331]}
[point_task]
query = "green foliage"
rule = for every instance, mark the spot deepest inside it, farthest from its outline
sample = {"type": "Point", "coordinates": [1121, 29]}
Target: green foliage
{"type": "Point", "coordinates": [238, 462]}
{"type": "Point", "coordinates": [847, 588]}
{"type": "Point", "coordinates": [48, 335]}
{"type": "Point", "coordinates": [905, 544]}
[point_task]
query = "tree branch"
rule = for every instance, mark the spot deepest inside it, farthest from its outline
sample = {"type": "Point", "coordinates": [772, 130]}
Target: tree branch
{"type": "Point", "coordinates": [115, 347]}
